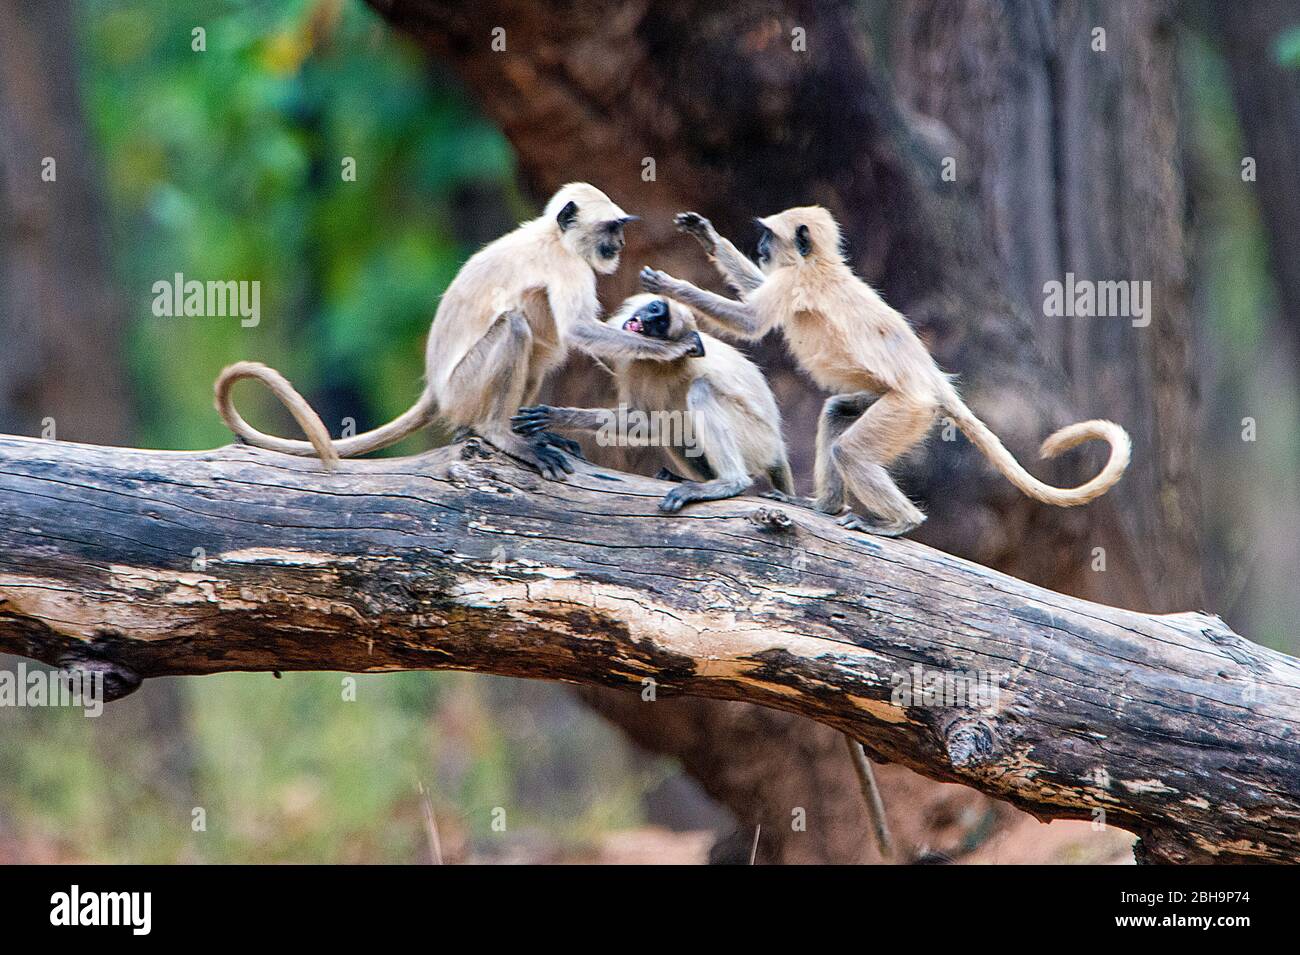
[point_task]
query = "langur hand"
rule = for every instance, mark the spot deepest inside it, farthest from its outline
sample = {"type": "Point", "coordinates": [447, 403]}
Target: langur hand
{"type": "Point", "coordinates": [656, 282]}
{"type": "Point", "coordinates": [688, 346]}
{"type": "Point", "coordinates": [531, 421]}
{"type": "Point", "coordinates": [694, 224]}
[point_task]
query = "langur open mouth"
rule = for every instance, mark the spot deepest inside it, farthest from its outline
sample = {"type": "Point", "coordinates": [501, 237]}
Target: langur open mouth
{"type": "Point", "coordinates": [634, 325]}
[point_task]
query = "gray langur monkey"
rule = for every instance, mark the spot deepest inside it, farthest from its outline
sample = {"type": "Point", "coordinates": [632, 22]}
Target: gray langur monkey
{"type": "Point", "coordinates": [887, 390]}
{"type": "Point", "coordinates": [726, 410]}
{"type": "Point", "coordinates": [737, 428]}
{"type": "Point", "coordinates": [505, 321]}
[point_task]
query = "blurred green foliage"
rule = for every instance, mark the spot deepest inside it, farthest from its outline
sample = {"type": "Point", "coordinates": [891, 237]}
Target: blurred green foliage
{"type": "Point", "coordinates": [295, 770]}
{"type": "Point", "coordinates": [1251, 499]}
{"type": "Point", "coordinates": [227, 163]}
{"type": "Point", "coordinates": [1287, 48]}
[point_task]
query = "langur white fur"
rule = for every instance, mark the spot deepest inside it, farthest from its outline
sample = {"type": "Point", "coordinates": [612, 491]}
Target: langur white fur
{"type": "Point", "coordinates": [737, 428]}
{"type": "Point", "coordinates": [887, 389]}
{"type": "Point", "coordinates": [505, 321]}
{"type": "Point", "coordinates": [721, 397]}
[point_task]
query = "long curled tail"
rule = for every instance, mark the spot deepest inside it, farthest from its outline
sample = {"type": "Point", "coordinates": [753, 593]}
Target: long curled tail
{"type": "Point", "coordinates": [1121, 450]}
{"type": "Point", "coordinates": [318, 437]}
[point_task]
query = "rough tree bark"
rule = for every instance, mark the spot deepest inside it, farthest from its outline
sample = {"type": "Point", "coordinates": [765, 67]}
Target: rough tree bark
{"type": "Point", "coordinates": [739, 123]}
{"type": "Point", "coordinates": [1172, 726]}
{"type": "Point", "coordinates": [1071, 152]}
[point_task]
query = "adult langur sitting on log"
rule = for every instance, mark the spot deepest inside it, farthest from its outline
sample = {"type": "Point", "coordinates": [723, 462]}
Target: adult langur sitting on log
{"type": "Point", "coordinates": [506, 320]}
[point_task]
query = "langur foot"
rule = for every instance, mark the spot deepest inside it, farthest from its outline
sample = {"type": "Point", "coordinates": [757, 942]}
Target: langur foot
{"type": "Point", "coordinates": [856, 522]}
{"type": "Point", "coordinates": [667, 475]}
{"type": "Point", "coordinates": [794, 499]}
{"type": "Point", "coordinates": [533, 423]}
{"type": "Point", "coordinates": [552, 440]}
{"type": "Point", "coordinates": [689, 492]}
{"type": "Point", "coordinates": [551, 463]}
{"type": "Point", "coordinates": [685, 493]}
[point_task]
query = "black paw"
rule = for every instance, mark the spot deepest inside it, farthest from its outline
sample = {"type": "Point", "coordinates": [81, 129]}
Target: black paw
{"type": "Point", "coordinates": [654, 281]}
{"type": "Point", "coordinates": [698, 350]}
{"type": "Point", "coordinates": [667, 475]}
{"type": "Point", "coordinates": [553, 440]}
{"type": "Point", "coordinates": [678, 498]}
{"type": "Point", "coordinates": [552, 463]}
{"type": "Point", "coordinates": [531, 421]}
{"type": "Point", "coordinates": [855, 522]}
{"type": "Point", "coordinates": [692, 223]}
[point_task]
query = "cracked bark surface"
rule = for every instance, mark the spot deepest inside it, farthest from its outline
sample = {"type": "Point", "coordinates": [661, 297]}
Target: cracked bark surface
{"type": "Point", "coordinates": [740, 124]}
{"type": "Point", "coordinates": [1172, 725]}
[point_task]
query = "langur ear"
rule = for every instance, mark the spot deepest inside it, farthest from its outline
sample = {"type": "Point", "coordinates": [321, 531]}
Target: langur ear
{"type": "Point", "coordinates": [802, 240]}
{"type": "Point", "coordinates": [568, 215]}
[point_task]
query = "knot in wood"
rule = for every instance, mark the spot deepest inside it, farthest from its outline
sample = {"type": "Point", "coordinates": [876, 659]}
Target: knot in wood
{"type": "Point", "coordinates": [473, 449]}
{"type": "Point", "coordinates": [119, 679]}
{"type": "Point", "coordinates": [479, 478]}
{"type": "Point", "coordinates": [969, 742]}
{"type": "Point", "coordinates": [772, 519]}
{"type": "Point", "coordinates": [1234, 647]}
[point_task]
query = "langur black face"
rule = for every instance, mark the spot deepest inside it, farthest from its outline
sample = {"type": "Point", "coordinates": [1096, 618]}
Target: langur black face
{"type": "Point", "coordinates": [651, 320]}
{"type": "Point", "coordinates": [593, 231]}
{"type": "Point", "coordinates": [655, 319]}
{"type": "Point", "coordinates": [610, 240]}
{"type": "Point", "coordinates": [765, 240]}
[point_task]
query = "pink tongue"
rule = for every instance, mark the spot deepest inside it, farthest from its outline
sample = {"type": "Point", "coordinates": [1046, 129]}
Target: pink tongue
{"type": "Point", "coordinates": [632, 325]}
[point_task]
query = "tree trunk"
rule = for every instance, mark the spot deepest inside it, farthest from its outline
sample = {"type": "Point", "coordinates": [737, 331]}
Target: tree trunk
{"type": "Point", "coordinates": [1173, 726]}
{"type": "Point", "coordinates": [59, 319]}
{"type": "Point", "coordinates": [62, 370]}
{"type": "Point", "coordinates": [1072, 152]}
{"type": "Point", "coordinates": [1268, 104]}
{"type": "Point", "coordinates": [738, 122]}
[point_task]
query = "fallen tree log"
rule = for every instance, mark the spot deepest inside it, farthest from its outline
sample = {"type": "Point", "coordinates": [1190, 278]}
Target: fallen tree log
{"type": "Point", "coordinates": [149, 563]}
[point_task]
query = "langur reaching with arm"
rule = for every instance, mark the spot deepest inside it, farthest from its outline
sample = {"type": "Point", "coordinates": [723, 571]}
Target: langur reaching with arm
{"type": "Point", "coordinates": [742, 274]}
{"type": "Point", "coordinates": [504, 322]}
{"type": "Point", "coordinates": [737, 428]}
{"type": "Point", "coordinates": [736, 425]}
{"type": "Point", "coordinates": [887, 389]}
{"type": "Point", "coordinates": [718, 396]}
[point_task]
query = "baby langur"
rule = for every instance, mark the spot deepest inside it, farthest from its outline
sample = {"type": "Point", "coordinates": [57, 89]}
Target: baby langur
{"type": "Point", "coordinates": [887, 389]}
{"type": "Point", "coordinates": [504, 322]}
{"type": "Point", "coordinates": [737, 428]}
{"type": "Point", "coordinates": [719, 397]}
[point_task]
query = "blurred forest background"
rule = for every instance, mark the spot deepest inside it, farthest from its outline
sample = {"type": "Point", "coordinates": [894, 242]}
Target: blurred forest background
{"type": "Point", "coordinates": [226, 163]}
